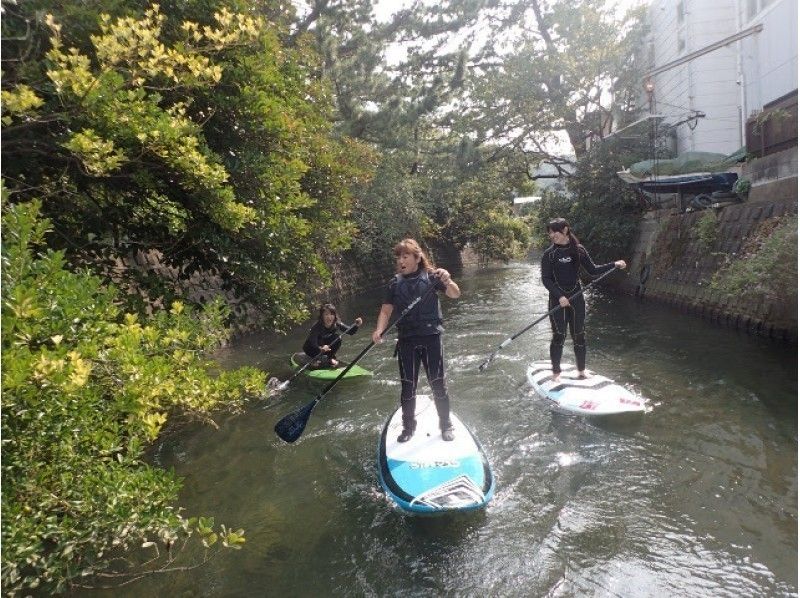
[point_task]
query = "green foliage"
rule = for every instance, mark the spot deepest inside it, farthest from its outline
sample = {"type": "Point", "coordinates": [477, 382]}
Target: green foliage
{"type": "Point", "coordinates": [706, 229]}
{"type": "Point", "coordinates": [389, 209]}
{"type": "Point", "coordinates": [188, 128]}
{"type": "Point", "coordinates": [85, 388]}
{"type": "Point", "coordinates": [449, 115]}
{"type": "Point", "coordinates": [768, 270]}
{"type": "Point", "coordinates": [742, 186]}
{"type": "Point", "coordinates": [602, 209]}
{"type": "Point", "coordinates": [466, 202]}
{"type": "Point", "coordinates": [478, 208]}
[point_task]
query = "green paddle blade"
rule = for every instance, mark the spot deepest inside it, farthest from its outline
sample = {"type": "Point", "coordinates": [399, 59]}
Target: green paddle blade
{"type": "Point", "coordinates": [291, 426]}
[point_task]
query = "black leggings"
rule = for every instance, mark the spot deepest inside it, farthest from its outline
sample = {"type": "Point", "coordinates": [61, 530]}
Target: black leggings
{"type": "Point", "coordinates": [573, 316]}
{"type": "Point", "coordinates": [427, 351]}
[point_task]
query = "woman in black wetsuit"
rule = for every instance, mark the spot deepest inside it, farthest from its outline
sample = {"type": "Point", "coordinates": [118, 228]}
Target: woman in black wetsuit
{"type": "Point", "coordinates": [560, 264]}
{"type": "Point", "coordinates": [419, 333]}
{"type": "Point", "coordinates": [324, 339]}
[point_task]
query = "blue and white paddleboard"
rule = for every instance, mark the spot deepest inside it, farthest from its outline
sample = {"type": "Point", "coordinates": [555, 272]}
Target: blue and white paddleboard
{"type": "Point", "coordinates": [595, 395]}
{"type": "Point", "coordinates": [427, 474]}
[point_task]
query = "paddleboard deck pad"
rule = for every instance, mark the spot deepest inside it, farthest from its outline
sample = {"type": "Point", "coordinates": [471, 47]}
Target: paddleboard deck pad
{"type": "Point", "coordinates": [428, 475]}
{"type": "Point", "coordinates": [331, 373]}
{"type": "Point", "coordinates": [595, 395]}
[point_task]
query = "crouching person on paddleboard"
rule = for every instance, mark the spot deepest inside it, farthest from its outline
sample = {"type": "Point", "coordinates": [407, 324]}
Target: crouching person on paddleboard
{"type": "Point", "coordinates": [560, 264]}
{"type": "Point", "coordinates": [420, 332]}
{"type": "Point", "coordinates": [324, 338]}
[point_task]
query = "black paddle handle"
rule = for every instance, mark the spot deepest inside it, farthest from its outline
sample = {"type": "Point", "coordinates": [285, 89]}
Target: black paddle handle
{"type": "Point", "coordinates": [505, 343]}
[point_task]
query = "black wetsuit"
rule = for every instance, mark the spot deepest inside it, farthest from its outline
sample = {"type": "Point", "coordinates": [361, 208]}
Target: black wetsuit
{"type": "Point", "coordinates": [319, 336]}
{"type": "Point", "coordinates": [419, 343]}
{"type": "Point", "coordinates": [560, 266]}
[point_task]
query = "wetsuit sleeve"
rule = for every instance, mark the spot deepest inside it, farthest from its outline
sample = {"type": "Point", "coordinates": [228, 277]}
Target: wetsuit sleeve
{"type": "Point", "coordinates": [311, 346]}
{"type": "Point", "coordinates": [390, 289]}
{"type": "Point", "coordinates": [548, 277]}
{"type": "Point", "coordinates": [590, 266]}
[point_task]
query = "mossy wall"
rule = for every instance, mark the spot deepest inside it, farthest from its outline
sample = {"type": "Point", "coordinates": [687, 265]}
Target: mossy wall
{"type": "Point", "coordinates": [673, 263]}
{"type": "Point", "coordinates": [352, 276]}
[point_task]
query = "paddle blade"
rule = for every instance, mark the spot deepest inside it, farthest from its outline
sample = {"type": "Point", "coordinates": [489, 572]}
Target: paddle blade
{"type": "Point", "coordinates": [291, 426]}
{"type": "Point", "coordinates": [486, 362]}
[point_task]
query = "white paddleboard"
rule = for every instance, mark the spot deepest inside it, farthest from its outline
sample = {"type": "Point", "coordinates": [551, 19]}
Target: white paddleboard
{"type": "Point", "coordinates": [429, 475]}
{"type": "Point", "coordinates": [595, 395]}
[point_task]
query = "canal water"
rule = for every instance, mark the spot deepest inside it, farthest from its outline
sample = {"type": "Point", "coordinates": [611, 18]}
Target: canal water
{"type": "Point", "coordinates": [698, 497]}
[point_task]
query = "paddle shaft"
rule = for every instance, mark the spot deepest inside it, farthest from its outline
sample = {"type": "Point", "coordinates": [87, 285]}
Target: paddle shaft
{"type": "Point", "coordinates": [506, 342]}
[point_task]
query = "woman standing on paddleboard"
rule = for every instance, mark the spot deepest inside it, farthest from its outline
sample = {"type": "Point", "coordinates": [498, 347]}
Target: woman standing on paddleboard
{"type": "Point", "coordinates": [560, 264]}
{"type": "Point", "coordinates": [419, 333]}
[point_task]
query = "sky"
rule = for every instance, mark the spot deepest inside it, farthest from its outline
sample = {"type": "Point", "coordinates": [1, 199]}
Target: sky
{"type": "Point", "coordinates": [385, 8]}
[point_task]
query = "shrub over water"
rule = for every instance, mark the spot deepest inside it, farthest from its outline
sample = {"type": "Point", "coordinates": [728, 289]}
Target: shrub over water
{"type": "Point", "coordinates": [85, 388]}
{"type": "Point", "coordinates": [768, 267]}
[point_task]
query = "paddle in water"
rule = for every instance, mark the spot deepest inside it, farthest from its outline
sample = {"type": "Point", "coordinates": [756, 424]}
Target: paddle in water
{"type": "Point", "coordinates": [280, 386]}
{"type": "Point", "coordinates": [291, 426]}
{"type": "Point", "coordinates": [506, 342]}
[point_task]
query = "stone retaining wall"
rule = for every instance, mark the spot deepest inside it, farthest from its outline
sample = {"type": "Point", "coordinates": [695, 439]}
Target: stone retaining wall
{"type": "Point", "coordinates": [352, 276]}
{"type": "Point", "coordinates": [676, 268]}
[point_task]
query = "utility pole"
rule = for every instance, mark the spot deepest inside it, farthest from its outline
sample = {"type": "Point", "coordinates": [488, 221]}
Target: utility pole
{"type": "Point", "coordinates": [650, 88]}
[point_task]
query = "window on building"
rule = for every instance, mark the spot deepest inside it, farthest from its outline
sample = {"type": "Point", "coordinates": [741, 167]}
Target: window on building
{"type": "Point", "coordinates": [752, 8]}
{"type": "Point", "coordinates": [681, 9]}
{"type": "Point", "coordinates": [681, 41]}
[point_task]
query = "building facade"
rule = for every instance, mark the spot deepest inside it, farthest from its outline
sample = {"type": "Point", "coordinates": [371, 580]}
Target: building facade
{"type": "Point", "coordinates": [706, 89]}
{"type": "Point", "coordinates": [769, 58]}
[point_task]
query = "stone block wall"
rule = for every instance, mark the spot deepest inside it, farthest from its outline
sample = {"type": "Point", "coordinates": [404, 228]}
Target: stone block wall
{"type": "Point", "coordinates": [352, 276]}
{"type": "Point", "coordinates": [676, 268]}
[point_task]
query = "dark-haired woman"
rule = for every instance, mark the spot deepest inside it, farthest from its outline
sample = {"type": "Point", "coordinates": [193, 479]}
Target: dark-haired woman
{"type": "Point", "coordinates": [560, 264]}
{"type": "Point", "coordinates": [324, 338]}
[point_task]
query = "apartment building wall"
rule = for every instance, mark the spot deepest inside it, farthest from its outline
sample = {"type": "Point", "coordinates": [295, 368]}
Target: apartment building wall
{"type": "Point", "coordinates": [707, 84]}
{"type": "Point", "coordinates": [769, 58]}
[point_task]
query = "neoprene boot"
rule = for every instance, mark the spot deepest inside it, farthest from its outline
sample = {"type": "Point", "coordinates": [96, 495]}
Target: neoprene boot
{"type": "Point", "coordinates": [447, 433]}
{"type": "Point", "coordinates": [409, 407]}
{"type": "Point", "coordinates": [408, 431]}
{"type": "Point", "coordinates": [443, 409]}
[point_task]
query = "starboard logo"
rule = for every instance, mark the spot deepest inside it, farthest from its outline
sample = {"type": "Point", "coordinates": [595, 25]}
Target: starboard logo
{"type": "Point", "coordinates": [432, 464]}
{"type": "Point", "coordinates": [565, 260]}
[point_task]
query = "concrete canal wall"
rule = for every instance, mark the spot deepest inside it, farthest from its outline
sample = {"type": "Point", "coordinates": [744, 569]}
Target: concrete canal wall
{"type": "Point", "coordinates": [671, 264]}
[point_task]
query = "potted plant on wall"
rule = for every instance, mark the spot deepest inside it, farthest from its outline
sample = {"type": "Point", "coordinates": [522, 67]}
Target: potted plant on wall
{"type": "Point", "coordinates": [742, 188]}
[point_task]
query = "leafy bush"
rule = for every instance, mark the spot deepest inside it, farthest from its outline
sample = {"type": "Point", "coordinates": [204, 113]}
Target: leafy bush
{"type": "Point", "coordinates": [602, 209]}
{"type": "Point", "coordinates": [768, 269]}
{"type": "Point", "coordinates": [479, 209]}
{"type": "Point", "coordinates": [389, 210]}
{"type": "Point", "coordinates": [706, 229]}
{"type": "Point", "coordinates": [85, 389]}
{"type": "Point", "coordinates": [190, 128]}
{"type": "Point", "coordinates": [742, 186]}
